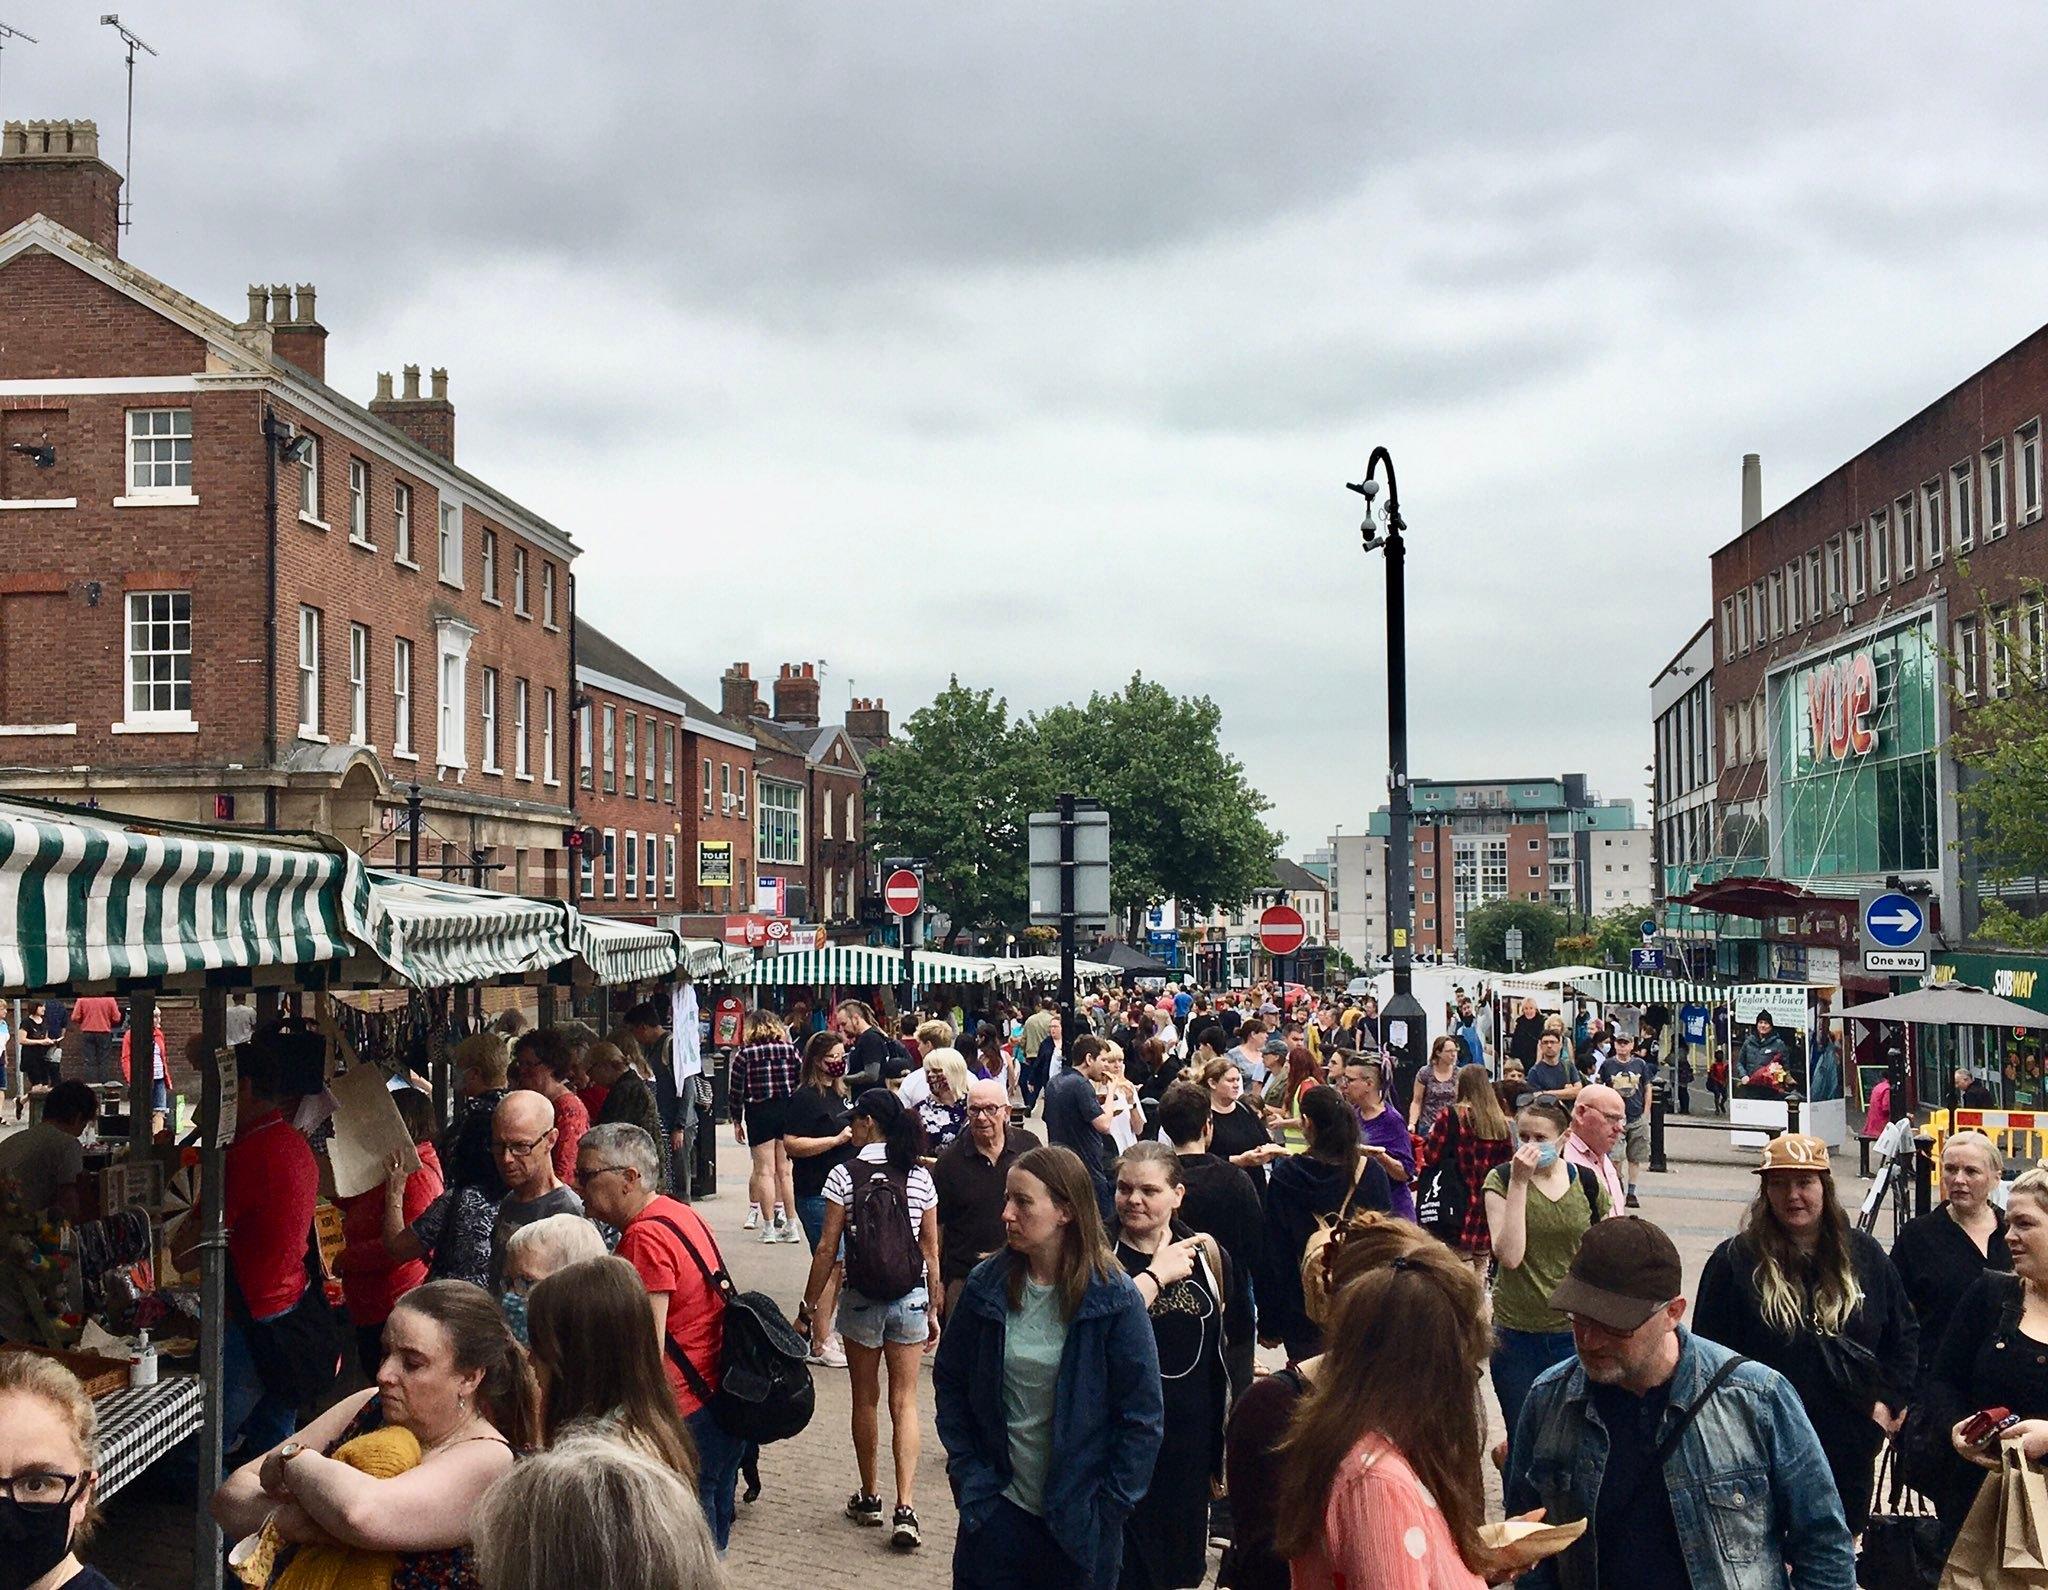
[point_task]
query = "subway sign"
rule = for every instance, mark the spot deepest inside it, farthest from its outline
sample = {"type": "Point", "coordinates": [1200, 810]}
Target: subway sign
{"type": "Point", "coordinates": [1841, 701]}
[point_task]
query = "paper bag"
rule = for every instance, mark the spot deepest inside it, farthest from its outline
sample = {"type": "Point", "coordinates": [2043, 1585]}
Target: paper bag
{"type": "Point", "coordinates": [2023, 1515]}
{"type": "Point", "coordinates": [1977, 1560]}
{"type": "Point", "coordinates": [368, 1130]}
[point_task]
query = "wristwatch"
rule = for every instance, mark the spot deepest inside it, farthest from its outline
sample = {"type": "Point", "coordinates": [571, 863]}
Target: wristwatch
{"type": "Point", "coordinates": [290, 1450]}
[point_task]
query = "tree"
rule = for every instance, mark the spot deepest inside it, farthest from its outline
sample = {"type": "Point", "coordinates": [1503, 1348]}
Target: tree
{"type": "Point", "coordinates": [2002, 743]}
{"type": "Point", "coordinates": [1614, 933]}
{"type": "Point", "coordinates": [1486, 933]}
{"type": "Point", "coordinates": [954, 791]}
{"type": "Point", "coordinates": [1184, 823]}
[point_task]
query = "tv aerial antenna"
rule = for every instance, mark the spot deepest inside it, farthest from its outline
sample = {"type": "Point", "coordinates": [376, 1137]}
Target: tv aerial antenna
{"type": "Point", "coordinates": [8, 35]}
{"type": "Point", "coordinates": [110, 20]}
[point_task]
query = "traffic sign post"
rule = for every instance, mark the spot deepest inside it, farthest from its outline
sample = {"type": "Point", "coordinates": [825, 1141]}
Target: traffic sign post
{"type": "Point", "coordinates": [1069, 862]}
{"type": "Point", "coordinates": [1894, 931]}
{"type": "Point", "coordinates": [1282, 931]}
{"type": "Point", "coordinates": [1648, 929]}
{"type": "Point", "coordinates": [1512, 945]}
{"type": "Point", "coordinates": [903, 894]}
{"type": "Point", "coordinates": [1646, 960]}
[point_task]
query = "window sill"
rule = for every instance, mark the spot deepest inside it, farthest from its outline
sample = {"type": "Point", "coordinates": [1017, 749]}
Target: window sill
{"type": "Point", "coordinates": [492, 601]}
{"type": "Point", "coordinates": [552, 783]}
{"type": "Point", "coordinates": [154, 726]}
{"type": "Point", "coordinates": [453, 585]}
{"type": "Point", "coordinates": [313, 737]}
{"type": "Point", "coordinates": [405, 756]}
{"type": "Point", "coordinates": [314, 522]}
{"type": "Point", "coordinates": [362, 545]}
{"type": "Point", "coordinates": [158, 499]}
{"type": "Point", "coordinates": [524, 778]}
{"type": "Point", "coordinates": [495, 772]}
{"type": "Point", "coordinates": [521, 612]}
{"type": "Point", "coordinates": [406, 563]}
{"type": "Point", "coordinates": [552, 629]}
{"type": "Point", "coordinates": [24, 730]}
{"type": "Point", "coordinates": [37, 502]}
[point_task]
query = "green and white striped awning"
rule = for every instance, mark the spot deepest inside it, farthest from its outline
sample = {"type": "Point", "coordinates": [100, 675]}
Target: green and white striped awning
{"type": "Point", "coordinates": [1644, 988]}
{"type": "Point", "coordinates": [863, 965]}
{"type": "Point", "coordinates": [449, 934]}
{"type": "Point", "coordinates": [92, 900]}
{"type": "Point", "coordinates": [626, 952]}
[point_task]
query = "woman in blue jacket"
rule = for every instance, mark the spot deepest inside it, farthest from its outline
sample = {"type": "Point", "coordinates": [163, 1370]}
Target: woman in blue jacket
{"type": "Point", "coordinates": [1049, 1401]}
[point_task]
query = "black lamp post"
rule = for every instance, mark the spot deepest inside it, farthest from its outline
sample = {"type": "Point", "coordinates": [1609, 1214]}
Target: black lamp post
{"type": "Point", "coordinates": [1403, 1020]}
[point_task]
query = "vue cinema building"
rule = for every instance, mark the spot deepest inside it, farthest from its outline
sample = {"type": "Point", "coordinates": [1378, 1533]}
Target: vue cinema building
{"type": "Point", "coordinates": [1834, 619]}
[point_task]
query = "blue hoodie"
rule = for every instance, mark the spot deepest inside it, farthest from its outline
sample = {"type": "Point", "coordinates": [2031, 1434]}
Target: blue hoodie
{"type": "Point", "coordinates": [1108, 1419]}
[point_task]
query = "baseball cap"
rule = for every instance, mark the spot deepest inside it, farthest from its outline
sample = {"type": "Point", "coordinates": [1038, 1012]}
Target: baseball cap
{"type": "Point", "coordinates": [1795, 1151]}
{"type": "Point", "coordinates": [1624, 1271]}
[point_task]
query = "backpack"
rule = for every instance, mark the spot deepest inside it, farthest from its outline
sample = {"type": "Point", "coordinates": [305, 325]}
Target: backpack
{"type": "Point", "coordinates": [764, 1384]}
{"type": "Point", "coordinates": [1315, 1282]}
{"type": "Point", "coordinates": [883, 1260]}
{"type": "Point", "coordinates": [1442, 1196]}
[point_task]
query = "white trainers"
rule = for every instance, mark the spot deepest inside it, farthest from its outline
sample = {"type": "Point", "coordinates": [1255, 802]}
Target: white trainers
{"type": "Point", "coordinates": [833, 1354]}
{"type": "Point", "coordinates": [770, 1231]}
{"type": "Point", "coordinates": [792, 1232]}
{"type": "Point", "coordinates": [753, 1217]}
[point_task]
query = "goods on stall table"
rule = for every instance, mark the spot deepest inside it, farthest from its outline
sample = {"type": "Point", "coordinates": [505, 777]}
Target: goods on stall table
{"type": "Point", "coordinates": [98, 1375]}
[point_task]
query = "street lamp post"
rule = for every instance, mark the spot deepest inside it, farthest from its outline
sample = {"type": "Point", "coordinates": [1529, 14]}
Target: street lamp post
{"type": "Point", "coordinates": [1403, 1021]}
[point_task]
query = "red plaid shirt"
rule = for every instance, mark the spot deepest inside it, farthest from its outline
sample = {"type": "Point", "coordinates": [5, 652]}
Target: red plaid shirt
{"type": "Point", "coordinates": [1477, 1156]}
{"type": "Point", "coordinates": [765, 1070]}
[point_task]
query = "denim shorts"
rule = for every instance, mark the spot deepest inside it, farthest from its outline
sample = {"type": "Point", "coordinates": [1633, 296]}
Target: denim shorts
{"type": "Point", "coordinates": [870, 1324]}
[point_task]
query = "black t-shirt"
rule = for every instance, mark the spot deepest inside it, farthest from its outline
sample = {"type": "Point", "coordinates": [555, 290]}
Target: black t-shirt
{"type": "Point", "coordinates": [812, 1112]}
{"type": "Point", "coordinates": [1239, 1130]}
{"type": "Point", "coordinates": [1632, 1522]}
{"type": "Point", "coordinates": [869, 1050]}
{"type": "Point", "coordinates": [88, 1578]}
{"type": "Point", "coordinates": [1070, 1111]}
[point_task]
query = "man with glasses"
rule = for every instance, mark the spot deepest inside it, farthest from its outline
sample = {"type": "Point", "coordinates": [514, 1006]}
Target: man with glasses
{"type": "Point", "coordinates": [675, 1256]}
{"type": "Point", "coordinates": [1634, 1078]}
{"type": "Point", "coordinates": [523, 1144]}
{"type": "Point", "coordinates": [970, 1177]}
{"type": "Point", "coordinates": [1598, 1120]}
{"type": "Point", "coordinates": [1692, 1465]}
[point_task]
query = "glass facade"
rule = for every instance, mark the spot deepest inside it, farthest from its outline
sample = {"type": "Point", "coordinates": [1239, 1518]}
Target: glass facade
{"type": "Point", "coordinates": [1854, 756]}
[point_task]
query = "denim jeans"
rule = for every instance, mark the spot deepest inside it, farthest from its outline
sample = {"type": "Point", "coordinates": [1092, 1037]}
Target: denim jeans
{"type": "Point", "coordinates": [1013, 1550]}
{"type": "Point", "coordinates": [718, 1472]}
{"type": "Point", "coordinates": [1518, 1358]}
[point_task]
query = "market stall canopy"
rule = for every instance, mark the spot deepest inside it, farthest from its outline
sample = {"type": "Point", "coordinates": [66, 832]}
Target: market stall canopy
{"type": "Point", "coordinates": [709, 958]}
{"type": "Point", "coordinates": [872, 964]}
{"type": "Point", "coordinates": [626, 952]}
{"type": "Point", "coordinates": [1946, 1005]}
{"type": "Point", "coordinates": [92, 900]}
{"type": "Point", "coordinates": [1762, 898]}
{"type": "Point", "coordinates": [449, 933]}
{"type": "Point", "coordinates": [1132, 962]}
{"type": "Point", "coordinates": [1640, 988]}
{"type": "Point", "coordinates": [1046, 968]}
{"type": "Point", "coordinates": [1555, 977]}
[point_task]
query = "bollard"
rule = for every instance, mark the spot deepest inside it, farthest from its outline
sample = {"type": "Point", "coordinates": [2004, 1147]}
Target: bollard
{"type": "Point", "coordinates": [1657, 1161]}
{"type": "Point", "coordinates": [1923, 1173]}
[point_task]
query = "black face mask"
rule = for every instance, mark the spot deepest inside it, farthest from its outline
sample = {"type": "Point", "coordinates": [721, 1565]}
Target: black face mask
{"type": "Point", "coordinates": [33, 1540]}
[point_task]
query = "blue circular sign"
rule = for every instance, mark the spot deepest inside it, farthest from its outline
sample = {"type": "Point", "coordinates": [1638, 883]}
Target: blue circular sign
{"type": "Point", "coordinates": [1893, 921]}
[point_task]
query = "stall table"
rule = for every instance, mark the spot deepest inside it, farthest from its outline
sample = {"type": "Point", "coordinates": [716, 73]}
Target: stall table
{"type": "Point", "coordinates": [139, 1424]}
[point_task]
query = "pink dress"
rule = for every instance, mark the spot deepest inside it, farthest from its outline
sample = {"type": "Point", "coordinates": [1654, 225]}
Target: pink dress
{"type": "Point", "coordinates": [1382, 1531]}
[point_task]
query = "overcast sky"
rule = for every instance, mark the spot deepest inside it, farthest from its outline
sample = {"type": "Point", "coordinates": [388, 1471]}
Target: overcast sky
{"type": "Point", "coordinates": [1035, 343]}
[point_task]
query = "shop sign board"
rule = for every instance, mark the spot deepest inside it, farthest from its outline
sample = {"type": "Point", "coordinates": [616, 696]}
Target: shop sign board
{"type": "Point", "coordinates": [714, 863]}
{"type": "Point", "coordinates": [1841, 697]}
{"type": "Point", "coordinates": [1894, 927]}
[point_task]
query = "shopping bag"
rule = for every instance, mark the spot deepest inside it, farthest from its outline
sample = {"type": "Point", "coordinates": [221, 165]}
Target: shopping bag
{"type": "Point", "coordinates": [1901, 1547]}
{"type": "Point", "coordinates": [2023, 1515]}
{"type": "Point", "coordinates": [1977, 1559]}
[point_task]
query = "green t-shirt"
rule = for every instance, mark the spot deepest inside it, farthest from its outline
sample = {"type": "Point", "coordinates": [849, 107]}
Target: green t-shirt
{"type": "Point", "coordinates": [1521, 1297]}
{"type": "Point", "coordinates": [1032, 1344]}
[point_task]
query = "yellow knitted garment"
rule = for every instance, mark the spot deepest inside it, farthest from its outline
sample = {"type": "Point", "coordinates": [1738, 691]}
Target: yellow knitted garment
{"type": "Point", "coordinates": [381, 1454]}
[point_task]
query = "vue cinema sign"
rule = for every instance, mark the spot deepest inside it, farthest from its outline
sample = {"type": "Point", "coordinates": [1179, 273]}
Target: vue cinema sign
{"type": "Point", "coordinates": [1841, 700]}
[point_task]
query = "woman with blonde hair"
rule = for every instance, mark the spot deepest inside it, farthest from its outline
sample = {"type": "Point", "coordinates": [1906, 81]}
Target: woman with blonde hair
{"type": "Point", "coordinates": [593, 1511]}
{"type": "Point", "coordinates": [1801, 1290]}
{"type": "Point", "coordinates": [765, 1070]}
{"type": "Point", "coordinates": [1383, 1456]}
{"type": "Point", "coordinates": [1475, 1133]}
{"type": "Point", "coordinates": [1940, 1253]}
{"type": "Point", "coordinates": [50, 1457]}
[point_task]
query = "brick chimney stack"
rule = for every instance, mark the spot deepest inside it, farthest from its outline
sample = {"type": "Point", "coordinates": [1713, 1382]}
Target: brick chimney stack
{"type": "Point", "coordinates": [296, 334]}
{"type": "Point", "coordinates": [430, 420]}
{"type": "Point", "coordinates": [867, 719]}
{"type": "Point", "coordinates": [739, 694]}
{"type": "Point", "coordinates": [796, 695]}
{"type": "Point", "coordinates": [54, 168]}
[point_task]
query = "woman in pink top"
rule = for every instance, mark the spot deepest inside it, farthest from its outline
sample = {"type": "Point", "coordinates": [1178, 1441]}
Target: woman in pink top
{"type": "Point", "coordinates": [1386, 1449]}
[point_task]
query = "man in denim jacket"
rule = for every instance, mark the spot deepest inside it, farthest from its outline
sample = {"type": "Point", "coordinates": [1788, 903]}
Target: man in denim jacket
{"type": "Point", "coordinates": [1743, 1494]}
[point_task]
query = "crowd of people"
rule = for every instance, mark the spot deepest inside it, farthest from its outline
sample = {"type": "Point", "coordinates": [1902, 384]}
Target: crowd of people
{"type": "Point", "coordinates": [1086, 1236]}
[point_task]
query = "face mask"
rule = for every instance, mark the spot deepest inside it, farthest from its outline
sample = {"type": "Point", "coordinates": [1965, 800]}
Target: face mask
{"type": "Point", "coordinates": [1546, 1156]}
{"type": "Point", "coordinates": [834, 1069]}
{"type": "Point", "coordinates": [33, 1540]}
{"type": "Point", "coordinates": [514, 1305]}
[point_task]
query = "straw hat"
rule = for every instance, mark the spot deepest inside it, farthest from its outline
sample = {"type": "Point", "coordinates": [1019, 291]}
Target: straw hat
{"type": "Point", "coordinates": [1795, 1151]}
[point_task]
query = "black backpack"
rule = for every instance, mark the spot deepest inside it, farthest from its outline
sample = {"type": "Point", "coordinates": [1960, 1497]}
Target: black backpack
{"type": "Point", "coordinates": [883, 1260]}
{"type": "Point", "coordinates": [1442, 1197]}
{"type": "Point", "coordinates": [764, 1384]}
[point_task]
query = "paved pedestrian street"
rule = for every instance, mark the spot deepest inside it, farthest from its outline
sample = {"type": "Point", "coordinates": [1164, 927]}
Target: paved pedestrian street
{"type": "Point", "coordinates": [797, 1530]}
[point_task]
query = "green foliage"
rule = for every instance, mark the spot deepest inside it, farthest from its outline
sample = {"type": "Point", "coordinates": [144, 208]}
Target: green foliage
{"type": "Point", "coordinates": [1486, 934]}
{"type": "Point", "coordinates": [1614, 934]}
{"type": "Point", "coordinates": [954, 790]}
{"type": "Point", "coordinates": [957, 786]}
{"type": "Point", "coordinates": [2001, 924]}
{"type": "Point", "coordinates": [1183, 821]}
{"type": "Point", "coordinates": [2002, 744]}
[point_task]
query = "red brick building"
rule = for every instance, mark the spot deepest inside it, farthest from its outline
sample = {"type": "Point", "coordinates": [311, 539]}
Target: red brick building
{"type": "Point", "coordinates": [810, 827]}
{"type": "Point", "coordinates": [230, 589]}
{"type": "Point", "coordinates": [668, 784]}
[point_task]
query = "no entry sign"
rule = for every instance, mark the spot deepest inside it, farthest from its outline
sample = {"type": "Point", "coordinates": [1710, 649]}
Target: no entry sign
{"type": "Point", "coordinates": [903, 893]}
{"type": "Point", "coordinates": [1282, 930]}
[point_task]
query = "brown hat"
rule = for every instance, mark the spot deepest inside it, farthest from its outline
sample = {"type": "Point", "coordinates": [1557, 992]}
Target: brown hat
{"type": "Point", "coordinates": [1795, 1151]}
{"type": "Point", "coordinates": [1624, 1271]}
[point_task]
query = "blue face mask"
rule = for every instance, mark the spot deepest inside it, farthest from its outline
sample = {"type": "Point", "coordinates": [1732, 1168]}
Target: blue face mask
{"type": "Point", "coordinates": [514, 1305]}
{"type": "Point", "coordinates": [1546, 1156]}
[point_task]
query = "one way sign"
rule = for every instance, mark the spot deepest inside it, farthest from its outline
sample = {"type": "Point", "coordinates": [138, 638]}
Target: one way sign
{"type": "Point", "coordinates": [1894, 931]}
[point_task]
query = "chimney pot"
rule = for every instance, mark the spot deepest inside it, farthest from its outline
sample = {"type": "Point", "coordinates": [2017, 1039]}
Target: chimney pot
{"type": "Point", "coordinates": [305, 315]}
{"type": "Point", "coordinates": [1752, 491]}
{"type": "Point", "coordinates": [280, 304]}
{"type": "Point", "coordinates": [53, 168]}
{"type": "Point", "coordinates": [383, 387]}
{"type": "Point", "coordinates": [412, 383]}
{"type": "Point", "coordinates": [440, 380]}
{"type": "Point", "coordinates": [259, 305]}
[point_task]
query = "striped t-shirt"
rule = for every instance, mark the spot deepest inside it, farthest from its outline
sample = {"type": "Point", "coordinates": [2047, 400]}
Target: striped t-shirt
{"type": "Point", "coordinates": [923, 1194]}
